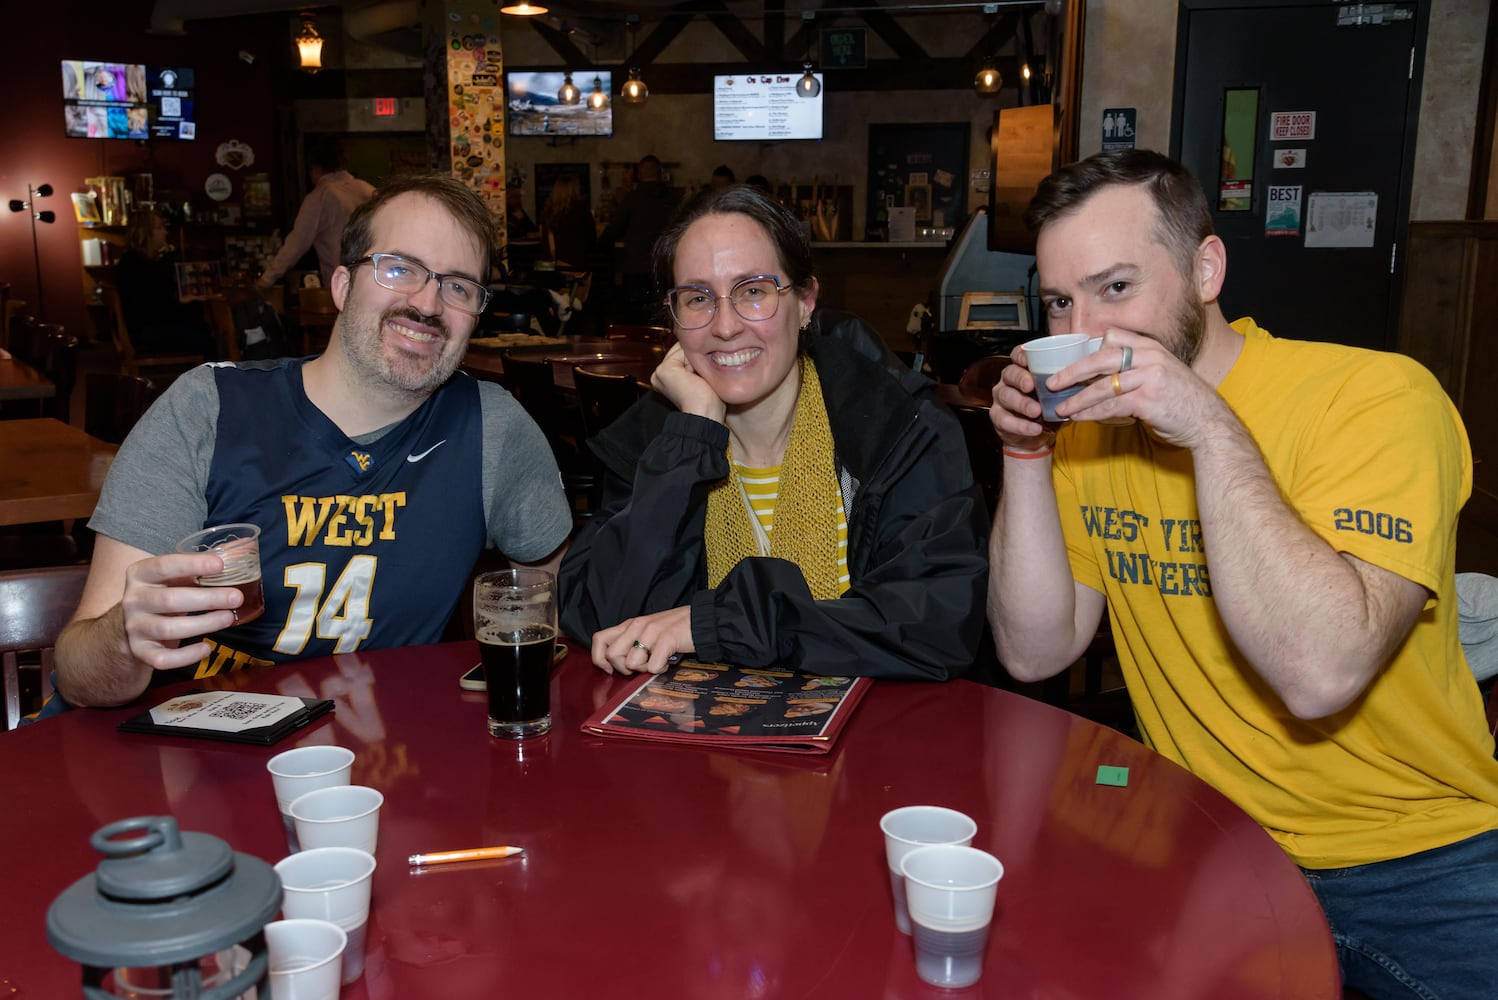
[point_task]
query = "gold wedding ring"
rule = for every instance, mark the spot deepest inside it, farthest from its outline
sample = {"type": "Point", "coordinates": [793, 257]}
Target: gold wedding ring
{"type": "Point", "coordinates": [1117, 391]}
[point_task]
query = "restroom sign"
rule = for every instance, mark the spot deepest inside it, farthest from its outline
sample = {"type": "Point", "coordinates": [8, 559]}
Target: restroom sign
{"type": "Point", "coordinates": [1287, 125]}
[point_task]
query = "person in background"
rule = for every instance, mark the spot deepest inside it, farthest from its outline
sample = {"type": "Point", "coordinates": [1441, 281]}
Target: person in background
{"type": "Point", "coordinates": [784, 498]}
{"type": "Point", "coordinates": [723, 176]}
{"type": "Point", "coordinates": [638, 220]}
{"type": "Point", "coordinates": [1272, 532]}
{"type": "Point", "coordinates": [158, 321]}
{"type": "Point", "coordinates": [567, 227]}
{"type": "Point", "coordinates": [760, 183]}
{"type": "Point", "coordinates": [377, 473]}
{"type": "Point", "coordinates": [518, 225]}
{"type": "Point", "coordinates": [325, 211]}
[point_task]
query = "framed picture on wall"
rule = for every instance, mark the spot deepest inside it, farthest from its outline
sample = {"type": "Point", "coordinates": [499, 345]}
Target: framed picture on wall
{"type": "Point", "coordinates": [918, 197]}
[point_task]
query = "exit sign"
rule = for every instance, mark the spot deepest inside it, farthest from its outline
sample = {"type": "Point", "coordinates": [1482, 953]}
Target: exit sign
{"type": "Point", "coordinates": [386, 107]}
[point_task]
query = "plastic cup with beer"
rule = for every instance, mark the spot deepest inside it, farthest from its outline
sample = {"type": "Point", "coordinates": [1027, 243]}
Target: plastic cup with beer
{"type": "Point", "coordinates": [951, 891]}
{"type": "Point", "coordinates": [910, 827]}
{"type": "Point", "coordinates": [514, 617]}
{"type": "Point", "coordinates": [238, 545]}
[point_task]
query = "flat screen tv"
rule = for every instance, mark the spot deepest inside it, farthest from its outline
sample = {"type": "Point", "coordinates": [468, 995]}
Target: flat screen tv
{"type": "Point", "coordinates": [114, 100]}
{"type": "Point", "coordinates": [762, 106]}
{"type": "Point", "coordinates": [533, 103]}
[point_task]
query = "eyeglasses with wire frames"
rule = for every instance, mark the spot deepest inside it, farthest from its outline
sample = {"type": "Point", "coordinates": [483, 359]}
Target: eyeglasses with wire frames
{"type": "Point", "coordinates": [755, 298]}
{"type": "Point", "coordinates": [409, 276]}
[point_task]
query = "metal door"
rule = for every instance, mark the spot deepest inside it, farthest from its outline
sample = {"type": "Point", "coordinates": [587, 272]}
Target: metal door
{"type": "Point", "coordinates": [1326, 97]}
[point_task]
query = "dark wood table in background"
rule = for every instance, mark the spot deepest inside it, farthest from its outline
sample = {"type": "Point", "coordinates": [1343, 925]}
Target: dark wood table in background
{"type": "Point", "coordinates": [655, 870]}
{"type": "Point", "coordinates": [489, 362]}
{"type": "Point", "coordinates": [18, 380]}
{"type": "Point", "coordinates": [49, 471]}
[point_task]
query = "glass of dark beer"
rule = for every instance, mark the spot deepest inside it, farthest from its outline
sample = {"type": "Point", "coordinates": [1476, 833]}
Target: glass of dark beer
{"type": "Point", "coordinates": [514, 617]}
{"type": "Point", "coordinates": [238, 545]}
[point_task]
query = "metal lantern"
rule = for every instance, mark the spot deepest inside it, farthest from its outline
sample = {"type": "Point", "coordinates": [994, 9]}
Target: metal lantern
{"type": "Point", "coordinates": [165, 900]}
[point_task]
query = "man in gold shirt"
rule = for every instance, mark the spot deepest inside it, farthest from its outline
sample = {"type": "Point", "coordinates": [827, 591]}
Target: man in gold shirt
{"type": "Point", "coordinates": [1271, 528]}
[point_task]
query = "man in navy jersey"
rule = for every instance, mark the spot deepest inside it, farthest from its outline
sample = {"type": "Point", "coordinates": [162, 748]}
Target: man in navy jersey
{"type": "Point", "coordinates": [376, 473]}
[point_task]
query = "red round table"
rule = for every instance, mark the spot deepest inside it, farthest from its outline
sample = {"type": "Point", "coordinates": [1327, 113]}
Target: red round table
{"type": "Point", "coordinates": [666, 871]}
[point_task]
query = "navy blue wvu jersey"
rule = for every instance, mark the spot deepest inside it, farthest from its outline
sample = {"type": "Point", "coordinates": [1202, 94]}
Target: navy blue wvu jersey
{"type": "Point", "coordinates": [362, 546]}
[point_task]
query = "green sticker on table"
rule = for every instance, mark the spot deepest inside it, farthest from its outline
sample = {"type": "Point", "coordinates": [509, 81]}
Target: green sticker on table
{"type": "Point", "coordinates": [1108, 775]}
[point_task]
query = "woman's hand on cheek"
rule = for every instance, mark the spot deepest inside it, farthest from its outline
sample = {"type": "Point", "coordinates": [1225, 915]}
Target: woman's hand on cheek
{"type": "Point", "coordinates": [689, 392]}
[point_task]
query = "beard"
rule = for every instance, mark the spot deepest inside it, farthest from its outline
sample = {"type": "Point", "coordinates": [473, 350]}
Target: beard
{"type": "Point", "coordinates": [1189, 322]}
{"type": "Point", "coordinates": [364, 347]}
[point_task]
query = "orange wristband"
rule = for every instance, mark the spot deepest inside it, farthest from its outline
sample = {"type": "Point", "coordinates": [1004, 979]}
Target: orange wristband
{"type": "Point", "coordinates": [1026, 455]}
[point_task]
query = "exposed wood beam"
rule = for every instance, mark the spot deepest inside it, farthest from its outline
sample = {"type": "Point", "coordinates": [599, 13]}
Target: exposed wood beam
{"type": "Point", "coordinates": [733, 29]}
{"type": "Point", "coordinates": [893, 35]}
{"type": "Point", "coordinates": [774, 30]}
{"type": "Point", "coordinates": [561, 43]}
{"type": "Point", "coordinates": [661, 36]}
{"type": "Point", "coordinates": [1000, 32]}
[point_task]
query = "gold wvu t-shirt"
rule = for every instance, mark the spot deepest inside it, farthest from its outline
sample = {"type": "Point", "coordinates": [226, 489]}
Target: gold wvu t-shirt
{"type": "Point", "coordinates": [1371, 454]}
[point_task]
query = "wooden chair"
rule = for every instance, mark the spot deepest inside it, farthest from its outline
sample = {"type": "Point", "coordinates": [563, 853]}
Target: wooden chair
{"type": "Point", "coordinates": [601, 399]}
{"type": "Point", "coordinates": [113, 402]}
{"type": "Point", "coordinates": [531, 382]}
{"type": "Point", "coordinates": [978, 378]}
{"type": "Point", "coordinates": [130, 362]}
{"type": "Point", "coordinates": [983, 452]}
{"type": "Point", "coordinates": [37, 603]}
{"type": "Point", "coordinates": [315, 315]}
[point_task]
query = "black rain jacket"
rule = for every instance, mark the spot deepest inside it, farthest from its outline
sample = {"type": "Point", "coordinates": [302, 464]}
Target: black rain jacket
{"type": "Point", "coordinates": [917, 533]}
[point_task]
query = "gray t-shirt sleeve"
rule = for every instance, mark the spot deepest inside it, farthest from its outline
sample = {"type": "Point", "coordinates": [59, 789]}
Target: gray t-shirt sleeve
{"type": "Point", "coordinates": [157, 487]}
{"type": "Point", "coordinates": [527, 514]}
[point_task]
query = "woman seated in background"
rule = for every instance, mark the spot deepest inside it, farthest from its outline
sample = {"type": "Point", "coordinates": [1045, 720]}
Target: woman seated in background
{"type": "Point", "coordinates": [783, 499]}
{"type": "Point", "coordinates": [567, 228]}
{"type": "Point", "coordinates": [146, 278]}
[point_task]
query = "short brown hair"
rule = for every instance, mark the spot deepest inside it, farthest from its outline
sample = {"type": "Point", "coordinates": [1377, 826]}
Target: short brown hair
{"type": "Point", "coordinates": [465, 206]}
{"type": "Point", "coordinates": [1184, 219]}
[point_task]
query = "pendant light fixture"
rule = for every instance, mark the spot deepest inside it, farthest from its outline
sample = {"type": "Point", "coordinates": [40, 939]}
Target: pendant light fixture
{"type": "Point", "coordinates": [808, 85]}
{"type": "Point", "coordinates": [523, 9]}
{"type": "Point", "coordinates": [309, 46]}
{"type": "Point", "coordinates": [569, 94]}
{"type": "Point", "coordinates": [597, 100]}
{"type": "Point", "coordinates": [989, 80]}
{"type": "Point", "coordinates": [634, 90]}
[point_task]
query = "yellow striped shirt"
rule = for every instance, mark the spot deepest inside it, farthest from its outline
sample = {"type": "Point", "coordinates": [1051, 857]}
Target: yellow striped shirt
{"type": "Point", "coordinates": [762, 487]}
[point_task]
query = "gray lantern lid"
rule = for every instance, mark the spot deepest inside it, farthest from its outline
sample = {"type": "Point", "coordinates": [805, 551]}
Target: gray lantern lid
{"type": "Point", "coordinates": [161, 897]}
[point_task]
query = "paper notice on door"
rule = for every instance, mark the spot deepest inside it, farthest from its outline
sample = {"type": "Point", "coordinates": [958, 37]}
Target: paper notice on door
{"type": "Point", "coordinates": [1341, 219]}
{"type": "Point", "coordinates": [1282, 218]}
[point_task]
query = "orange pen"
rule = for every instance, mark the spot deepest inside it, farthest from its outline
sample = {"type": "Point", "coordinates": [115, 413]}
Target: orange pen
{"type": "Point", "coordinates": [477, 854]}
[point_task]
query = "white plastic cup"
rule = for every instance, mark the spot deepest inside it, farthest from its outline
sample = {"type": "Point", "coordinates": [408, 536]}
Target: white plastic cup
{"type": "Point", "coordinates": [341, 816]}
{"type": "Point", "coordinates": [910, 827]}
{"type": "Point", "coordinates": [304, 959]}
{"type": "Point", "coordinates": [1046, 356]}
{"type": "Point", "coordinates": [333, 884]}
{"type": "Point", "coordinates": [951, 892]}
{"type": "Point", "coordinates": [296, 772]}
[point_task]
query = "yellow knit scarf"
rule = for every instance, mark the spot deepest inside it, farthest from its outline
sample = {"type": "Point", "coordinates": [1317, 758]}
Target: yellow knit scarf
{"type": "Point", "coordinates": [805, 510]}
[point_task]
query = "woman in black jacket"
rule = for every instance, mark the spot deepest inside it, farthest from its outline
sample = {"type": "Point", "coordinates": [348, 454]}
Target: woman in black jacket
{"type": "Point", "coordinates": [785, 498]}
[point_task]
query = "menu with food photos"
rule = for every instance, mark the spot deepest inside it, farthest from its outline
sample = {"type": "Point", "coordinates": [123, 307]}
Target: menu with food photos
{"type": "Point", "coordinates": [713, 704]}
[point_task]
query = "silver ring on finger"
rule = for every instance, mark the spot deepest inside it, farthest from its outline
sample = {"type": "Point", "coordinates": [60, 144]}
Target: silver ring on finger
{"type": "Point", "coordinates": [1128, 360]}
{"type": "Point", "coordinates": [637, 644]}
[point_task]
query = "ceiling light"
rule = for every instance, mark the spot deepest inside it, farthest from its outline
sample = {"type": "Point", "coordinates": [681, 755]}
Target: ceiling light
{"type": "Point", "coordinates": [309, 46]}
{"type": "Point", "coordinates": [808, 85]}
{"type": "Point", "coordinates": [634, 90]}
{"type": "Point", "coordinates": [988, 79]}
{"type": "Point", "coordinates": [598, 100]}
{"type": "Point", "coordinates": [523, 9]}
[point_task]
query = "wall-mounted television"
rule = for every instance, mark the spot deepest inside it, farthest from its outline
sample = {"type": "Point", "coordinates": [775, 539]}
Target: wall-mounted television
{"type": "Point", "coordinates": [762, 106]}
{"type": "Point", "coordinates": [114, 100]}
{"type": "Point", "coordinates": [533, 105]}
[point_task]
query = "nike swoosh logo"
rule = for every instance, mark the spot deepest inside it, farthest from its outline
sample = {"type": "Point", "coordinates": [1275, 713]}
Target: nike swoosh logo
{"type": "Point", "coordinates": [417, 458]}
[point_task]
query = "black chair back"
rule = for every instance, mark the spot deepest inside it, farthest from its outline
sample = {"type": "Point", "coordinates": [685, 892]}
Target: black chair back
{"type": "Point", "coordinates": [113, 402]}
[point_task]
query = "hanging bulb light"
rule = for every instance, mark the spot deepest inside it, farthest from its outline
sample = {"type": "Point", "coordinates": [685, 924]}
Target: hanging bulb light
{"type": "Point", "coordinates": [309, 46]}
{"type": "Point", "coordinates": [988, 80]}
{"type": "Point", "coordinates": [634, 90]}
{"type": "Point", "coordinates": [598, 100]}
{"type": "Point", "coordinates": [808, 85]}
{"type": "Point", "coordinates": [523, 9]}
{"type": "Point", "coordinates": [569, 94]}
{"type": "Point", "coordinates": [1024, 71]}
